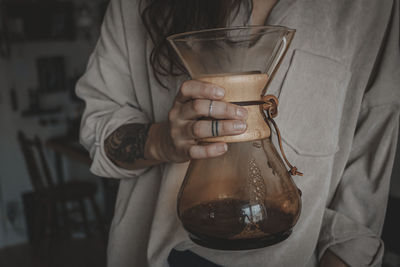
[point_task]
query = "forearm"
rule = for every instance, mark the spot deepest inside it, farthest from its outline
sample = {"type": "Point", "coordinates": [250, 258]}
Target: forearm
{"type": "Point", "coordinates": [136, 146]}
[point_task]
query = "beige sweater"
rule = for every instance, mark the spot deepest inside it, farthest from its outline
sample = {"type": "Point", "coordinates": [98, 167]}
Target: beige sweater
{"type": "Point", "coordinates": [339, 92]}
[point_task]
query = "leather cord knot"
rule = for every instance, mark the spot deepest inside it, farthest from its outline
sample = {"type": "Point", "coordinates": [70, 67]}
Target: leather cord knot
{"type": "Point", "coordinates": [270, 105]}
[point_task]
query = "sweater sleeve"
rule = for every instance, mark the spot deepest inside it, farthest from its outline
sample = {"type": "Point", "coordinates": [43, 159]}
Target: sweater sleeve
{"type": "Point", "coordinates": [353, 220]}
{"type": "Point", "coordinates": [109, 94]}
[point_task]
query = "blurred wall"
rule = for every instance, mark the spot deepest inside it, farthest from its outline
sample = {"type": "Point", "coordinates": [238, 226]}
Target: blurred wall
{"type": "Point", "coordinates": [19, 73]}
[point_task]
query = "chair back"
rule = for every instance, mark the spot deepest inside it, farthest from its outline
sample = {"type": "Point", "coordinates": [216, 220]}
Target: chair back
{"type": "Point", "coordinates": [36, 163]}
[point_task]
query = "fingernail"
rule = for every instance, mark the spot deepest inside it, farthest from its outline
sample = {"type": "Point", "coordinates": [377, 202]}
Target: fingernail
{"type": "Point", "coordinates": [222, 148]}
{"type": "Point", "coordinates": [239, 126]}
{"type": "Point", "coordinates": [219, 92]}
{"type": "Point", "coordinates": [241, 112]}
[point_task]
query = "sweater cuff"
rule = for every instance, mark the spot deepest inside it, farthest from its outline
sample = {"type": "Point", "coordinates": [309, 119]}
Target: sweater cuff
{"type": "Point", "coordinates": [354, 243]}
{"type": "Point", "coordinates": [102, 165]}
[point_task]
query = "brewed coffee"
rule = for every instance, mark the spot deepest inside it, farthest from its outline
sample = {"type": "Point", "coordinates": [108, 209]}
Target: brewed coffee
{"type": "Point", "coordinates": [234, 224]}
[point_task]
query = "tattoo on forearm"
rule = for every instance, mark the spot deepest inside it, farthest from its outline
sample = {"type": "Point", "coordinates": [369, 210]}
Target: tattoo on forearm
{"type": "Point", "coordinates": [126, 144]}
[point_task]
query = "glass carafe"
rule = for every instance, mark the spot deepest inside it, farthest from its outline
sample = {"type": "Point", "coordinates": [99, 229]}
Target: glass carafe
{"type": "Point", "coordinates": [246, 198]}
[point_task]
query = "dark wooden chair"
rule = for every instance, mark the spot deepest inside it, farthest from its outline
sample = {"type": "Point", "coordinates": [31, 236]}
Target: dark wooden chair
{"type": "Point", "coordinates": [51, 198]}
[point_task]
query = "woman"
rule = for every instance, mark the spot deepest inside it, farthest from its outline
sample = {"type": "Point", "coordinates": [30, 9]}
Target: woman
{"type": "Point", "coordinates": [338, 88]}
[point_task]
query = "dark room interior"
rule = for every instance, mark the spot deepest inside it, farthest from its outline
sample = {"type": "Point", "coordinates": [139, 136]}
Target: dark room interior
{"type": "Point", "coordinates": [44, 48]}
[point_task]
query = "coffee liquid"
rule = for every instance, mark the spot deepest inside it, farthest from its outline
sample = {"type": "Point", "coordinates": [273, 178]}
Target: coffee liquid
{"type": "Point", "coordinates": [232, 224]}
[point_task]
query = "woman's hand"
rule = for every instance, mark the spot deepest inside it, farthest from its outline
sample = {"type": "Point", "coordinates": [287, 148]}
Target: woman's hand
{"type": "Point", "coordinates": [197, 100]}
{"type": "Point", "coordinates": [136, 146]}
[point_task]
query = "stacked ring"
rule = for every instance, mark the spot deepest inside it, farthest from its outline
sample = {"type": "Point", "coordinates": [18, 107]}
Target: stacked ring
{"type": "Point", "coordinates": [214, 128]}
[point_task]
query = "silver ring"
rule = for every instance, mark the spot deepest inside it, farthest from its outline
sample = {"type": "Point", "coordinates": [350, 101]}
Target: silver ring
{"type": "Point", "coordinates": [210, 108]}
{"type": "Point", "coordinates": [214, 128]}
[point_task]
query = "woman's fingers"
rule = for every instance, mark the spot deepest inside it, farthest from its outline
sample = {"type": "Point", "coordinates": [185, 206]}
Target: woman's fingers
{"type": "Point", "coordinates": [216, 109]}
{"type": "Point", "coordinates": [207, 128]}
{"type": "Point", "coordinates": [207, 151]}
{"type": "Point", "coordinates": [195, 89]}
{"type": "Point", "coordinates": [195, 100]}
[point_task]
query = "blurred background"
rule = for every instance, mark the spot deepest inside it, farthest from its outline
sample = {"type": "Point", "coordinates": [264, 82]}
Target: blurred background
{"type": "Point", "coordinates": [53, 211]}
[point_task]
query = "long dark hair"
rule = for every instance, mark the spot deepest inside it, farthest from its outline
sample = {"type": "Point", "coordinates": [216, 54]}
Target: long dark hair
{"type": "Point", "coordinates": [165, 17]}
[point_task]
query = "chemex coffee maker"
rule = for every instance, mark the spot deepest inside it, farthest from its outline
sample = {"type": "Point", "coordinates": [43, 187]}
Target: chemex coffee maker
{"type": "Point", "coordinates": [246, 198]}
